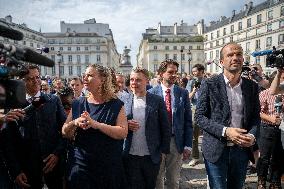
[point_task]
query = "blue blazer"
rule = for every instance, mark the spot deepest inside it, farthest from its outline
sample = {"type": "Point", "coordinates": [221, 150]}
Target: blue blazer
{"type": "Point", "coordinates": [213, 114]}
{"type": "Point", "coordinates": [157, 128]}
{"type": "Point", "coordinates": [182, 118]}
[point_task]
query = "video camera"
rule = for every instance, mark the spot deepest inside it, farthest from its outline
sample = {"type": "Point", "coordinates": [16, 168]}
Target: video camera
{"type": "Point", "coordinates": [13, 61]}
{"type": "Point", "coordinates": [275, 58]}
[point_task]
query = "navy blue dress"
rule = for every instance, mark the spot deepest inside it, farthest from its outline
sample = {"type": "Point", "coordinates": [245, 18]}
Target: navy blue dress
{"type": "Point", "coordinates": [94, 159]}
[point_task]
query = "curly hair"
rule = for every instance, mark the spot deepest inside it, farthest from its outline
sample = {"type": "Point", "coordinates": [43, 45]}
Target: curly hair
{"type": "Point", "coordinates": [163, 66]}
{"type": "Point", "coordinates": [107, 89]}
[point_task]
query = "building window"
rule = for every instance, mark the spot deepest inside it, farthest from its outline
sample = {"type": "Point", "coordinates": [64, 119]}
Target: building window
{"type": "Point", "coordinates": [231, 38]}
{"type": "Point", "coordinates": [78, 70]}
{"type": "Point", "coordinates": [61, 48]}
{"type": "Point", "coordinates": [53, 58]}
{"type": "Point", "coordinates": [240, 26]}
{"type": "Point", "coordinates": [282, 11]}
{"type": "Point", "coordinates": [190, 47]}
{"type": "Point", "coordinates": [52, 48]}
{"type": "Point", "coordinates": [182, 47]}
{"type": "Point", "coordinates": [281, 39]}
{"type": "Point", "coordinates": [224, 31]}
{"type": "Point", "coordinates": [217, 54]}
{"type": "Point", "coordinates": [198, 47]}
{"type": "Point", "coordinates": [206, 37]}
{"type": "Point", "coordinates": [69, 58]}
{"type": "Point", "coordinates": [87, 59]}
{"type": "Point", "coordinates": [175, 56]}
{"type": "Point", "coordinates": [98, 47]}
{"type": "Point", "coordinates": [232, 28]}
{"type": "Point", "coordinates": [258, 19]}
{"type": "Point", "coordinates": [86, 48]}
{"type": "Point", "coordinates": [248, 22]}
{"type": "Point", "coordinates": [281, 23]}
{"type": "Point", "coordinates": [257, 60]}
{"type": "Point", "coordinates": [155, 67]}
{"type": "Point", "coordinates": [217, 43]}
{"type": "Point", "coordinates": [61, 70]}
{"type": "Point", "coordinates": [79, 58]}
{"type": "Point", "coordinates": [167, 47]}
{"type": "Point", "coordinates": [269, 27]}
{"type": "Point", "coordinates": [247, 46]}
{"type": "Point", "coordinates": [182, 57]}
{"type": "Point", "coordinates": [270, 15]}
{"type": "Point", "coordinates": [205, 56]}
{"type": "Point", "coordinates": [211, 55]}
{"type": "Point", "coordinates": [175, 47]}
{"type": "Point", "coordinates": [38, 46]}
{"type": "Point", "coordinates": [223, 41]}
{"type": "Point", "coordinates": [155, 47]}
{"type": "Point", "coordinates": [98, 58]}
{"type": "Point", "coordinates": [31, 44]}
{"type": "Point", "coordinates": [155, 57]}
{"type": "Point", "coordinates": [218, 33]}
{"type": "Point", "coordinates": [257, 44]}
{"type": "Point", "coordinates": [211, 36]}
{"type": "Point", "coordinates": [211, 45]}
{"type": "Point", "coordinates": [182, 68]}
{"type": "Point", "coordinates": [53, 70]}
{"type": "Point", "coordinates": [167, 56]}
{"type": "Point", "coordinates": [77, 48]}
{"type": "Point", "coordinates": [69, 48]}
{"type": "Point", "coordinates": [24, 42]}
{"type": "Point", "coordinates": [70, 68]}
{"type": "Point", "coordinates": [268, 41]}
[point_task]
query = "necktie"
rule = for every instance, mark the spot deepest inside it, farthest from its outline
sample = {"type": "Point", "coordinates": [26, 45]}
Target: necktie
{"type": "Point", "coordinates": [169, 104]}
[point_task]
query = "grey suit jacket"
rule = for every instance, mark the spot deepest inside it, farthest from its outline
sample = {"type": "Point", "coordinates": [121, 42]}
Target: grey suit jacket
{"type": "Point", "coordinates": [182, 118]}
{"type": "Point", "coordinates": [213, 114]}
{"type": "Point", "coordinates": [157, 128]}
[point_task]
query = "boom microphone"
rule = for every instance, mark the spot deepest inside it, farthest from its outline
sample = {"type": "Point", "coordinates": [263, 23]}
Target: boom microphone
{"type": "Point", "coordinates": [10, 33]}
{"type": "Point", "coordinates": [261, 53]}
{"type": "Point", "coordinates": [34, 57]}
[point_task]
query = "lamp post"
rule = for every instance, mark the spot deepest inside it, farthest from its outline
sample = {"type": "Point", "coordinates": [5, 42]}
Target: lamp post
{"type": "Point", "coordinates": [189, 60]}
{"type": "Point", "coordinates": [59, 54]}
{"type": "Point", "coordinates": [181, 51]}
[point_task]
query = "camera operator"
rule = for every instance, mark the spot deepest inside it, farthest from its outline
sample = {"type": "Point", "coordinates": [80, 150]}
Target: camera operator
{"type": "Point", "coordinates": [34, 147]}
{"type": "Point", "coordinates": [198, 75]}
{"type": "Point", "coordinates": [269, 140]}
{"type": "Point", "coordinates": [13, 115]}
{"type": "Point", "coordinates": [256, 74]}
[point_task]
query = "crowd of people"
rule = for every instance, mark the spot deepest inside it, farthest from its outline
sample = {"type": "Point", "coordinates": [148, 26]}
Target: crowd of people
{"type": "Point", "coordinates": [107, 130]}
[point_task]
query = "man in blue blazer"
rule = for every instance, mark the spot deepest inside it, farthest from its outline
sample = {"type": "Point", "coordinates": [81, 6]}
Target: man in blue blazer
{"type": "Point", "coordinates": [228, 113]}
{"type": "Point", "coordinates": [180, 118]}
{"type": "Point", "coordinates": [149, 134]}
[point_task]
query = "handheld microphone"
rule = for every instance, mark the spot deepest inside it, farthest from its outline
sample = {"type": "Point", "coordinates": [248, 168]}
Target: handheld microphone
{"type": "Point", "coordinates": [10, 33]}
{"type": "Point", "coordinates": [261, 53]}
{"type": "Point", "coordinates": [278, 104]}
{"type": "Point", "coordinates": [36, 103]}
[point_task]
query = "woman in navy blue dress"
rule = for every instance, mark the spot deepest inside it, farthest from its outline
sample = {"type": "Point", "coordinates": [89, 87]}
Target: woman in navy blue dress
{"type": "Point", "coordinates": [97, 125]}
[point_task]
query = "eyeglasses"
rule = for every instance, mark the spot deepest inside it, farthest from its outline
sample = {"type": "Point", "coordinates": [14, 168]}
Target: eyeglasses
{"type": "Point", "coordinates": [29, 79]}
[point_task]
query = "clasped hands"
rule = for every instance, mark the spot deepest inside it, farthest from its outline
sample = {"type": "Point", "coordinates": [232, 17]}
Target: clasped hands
{"type": "Point", "coordinates": [240, 137]}
{"type": "Point", "coordinates": [85, 121]}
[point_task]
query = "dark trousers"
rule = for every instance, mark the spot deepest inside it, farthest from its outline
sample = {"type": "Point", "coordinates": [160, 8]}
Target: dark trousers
{"type": "Point", "coordinates": [229, 172]}
{"type": "Point", "coordinates": [5, 181]}
{"type": "Point", "coordinates": [141, 172]}
{"type": "Point", "coordinates": [271, 152]}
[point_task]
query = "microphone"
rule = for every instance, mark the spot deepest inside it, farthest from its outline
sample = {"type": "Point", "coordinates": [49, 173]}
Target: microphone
{"type": "Point", "coordinates": [43, 49]}
{"type": "Point", "coordinates": [36, 103]}
{"type": "Point", "coordinates": [10, 33]}
{"type": "Point", "coordinates": [28, 55]}
{"type": "Point", "coordinates": [34, 57]}
{"type": "Point", "coordinates": [278, 104]}
{"type": "Point", "coordinates": [261, 53]}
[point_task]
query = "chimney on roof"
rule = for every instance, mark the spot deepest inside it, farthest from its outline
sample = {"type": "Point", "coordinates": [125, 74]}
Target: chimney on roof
{"type": "Point", "coordinates": [233, 13]}
{"type": "Point", "coordinates": [8, 18]}
{"type": "Point", "coordinates": [245, 7]}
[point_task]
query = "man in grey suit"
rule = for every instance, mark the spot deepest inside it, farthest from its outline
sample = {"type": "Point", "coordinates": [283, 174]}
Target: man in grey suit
{"type": "Point", "coordinates": [228, 113]}
{"type": "Point", "coordinates": [179, 115]}
{"type": "Point", "coordinates": [149, 134]}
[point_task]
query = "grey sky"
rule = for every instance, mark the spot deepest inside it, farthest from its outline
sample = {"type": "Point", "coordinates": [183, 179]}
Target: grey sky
{"type": "Point", "coordinates": [128, 19]}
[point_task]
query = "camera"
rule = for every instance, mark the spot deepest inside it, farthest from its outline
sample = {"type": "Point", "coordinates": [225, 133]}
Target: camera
{"type": "Point", "coordinates": [13, 61]}
{"type": "Point", "coordinates": [275, 58]}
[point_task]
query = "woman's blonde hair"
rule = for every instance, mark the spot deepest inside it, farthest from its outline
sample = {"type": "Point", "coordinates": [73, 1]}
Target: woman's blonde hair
{"type": "Point", "coordinates": [107, 89]}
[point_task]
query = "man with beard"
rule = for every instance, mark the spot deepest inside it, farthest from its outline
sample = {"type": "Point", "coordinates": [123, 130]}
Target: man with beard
{"type": "Point", "coordinates": [179, 115]}
{"type": "Point", "coordinates": [228, 113]}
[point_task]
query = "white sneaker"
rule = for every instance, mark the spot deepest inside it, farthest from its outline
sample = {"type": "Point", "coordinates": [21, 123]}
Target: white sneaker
{"type": "Point", "coordinates": [193, 162]}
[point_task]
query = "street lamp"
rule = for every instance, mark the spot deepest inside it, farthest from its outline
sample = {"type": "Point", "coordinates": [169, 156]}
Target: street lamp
{"type": "Point", "coordinates": [189, 60]}
{"type": "Point", "coordinates": [59, 54]}
{"type": "Point", "coordinates": [181, 51]}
